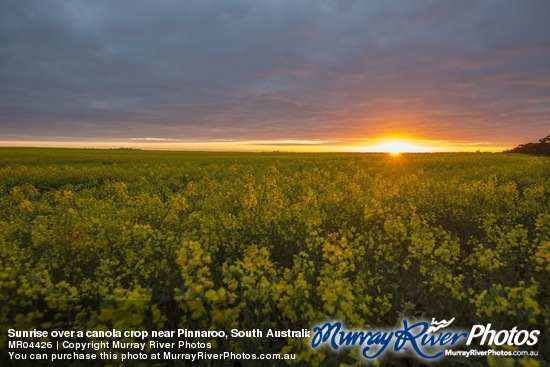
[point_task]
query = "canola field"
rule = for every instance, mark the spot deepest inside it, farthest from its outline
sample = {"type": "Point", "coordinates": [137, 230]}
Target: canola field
{"type": "Point", "coordinates": [102, 239]}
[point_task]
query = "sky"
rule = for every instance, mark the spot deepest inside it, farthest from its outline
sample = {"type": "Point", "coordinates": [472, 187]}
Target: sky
{"type": "Point", "coordinates": [276, 74]}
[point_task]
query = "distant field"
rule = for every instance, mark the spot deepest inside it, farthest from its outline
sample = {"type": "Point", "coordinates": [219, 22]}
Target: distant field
{"type": "Point", "coordinates": [273, 240]}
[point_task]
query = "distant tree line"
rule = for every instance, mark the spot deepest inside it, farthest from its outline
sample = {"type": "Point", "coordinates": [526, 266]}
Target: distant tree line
{"type": "Point", "coordinates": [540, 148]}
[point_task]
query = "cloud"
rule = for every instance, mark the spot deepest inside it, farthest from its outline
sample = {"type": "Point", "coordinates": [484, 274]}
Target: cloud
{"type": "Point", "coordinates": [242, 70]}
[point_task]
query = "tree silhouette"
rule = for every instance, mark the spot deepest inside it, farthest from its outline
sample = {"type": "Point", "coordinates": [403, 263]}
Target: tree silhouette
{"type": "Point", "coordinates": [540, 148]}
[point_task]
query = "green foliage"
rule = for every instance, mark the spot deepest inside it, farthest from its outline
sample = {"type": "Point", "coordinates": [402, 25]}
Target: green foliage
{"type": "Point", "coordinates": [234, 240]}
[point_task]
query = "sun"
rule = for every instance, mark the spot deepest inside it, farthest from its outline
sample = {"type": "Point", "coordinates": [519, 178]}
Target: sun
{"type": "Point", "coordinates": [396, 147]}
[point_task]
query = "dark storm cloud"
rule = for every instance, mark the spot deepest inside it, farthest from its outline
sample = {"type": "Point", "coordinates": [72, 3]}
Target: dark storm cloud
{"type": "Point", "coordinates": [244, 70]}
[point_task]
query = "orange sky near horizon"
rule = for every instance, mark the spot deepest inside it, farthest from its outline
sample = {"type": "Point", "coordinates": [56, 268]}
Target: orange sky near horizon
{"type": "Point", "coordinates": [388, 145]}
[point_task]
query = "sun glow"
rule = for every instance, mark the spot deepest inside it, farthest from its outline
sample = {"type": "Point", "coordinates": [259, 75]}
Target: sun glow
{"type": "Point", "coordinates": [396, 147]}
